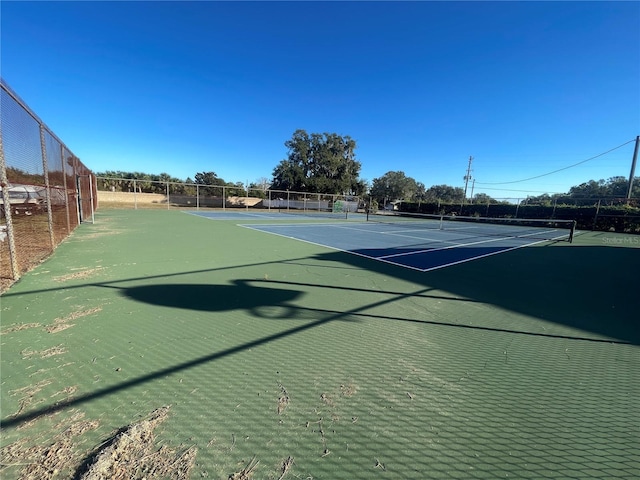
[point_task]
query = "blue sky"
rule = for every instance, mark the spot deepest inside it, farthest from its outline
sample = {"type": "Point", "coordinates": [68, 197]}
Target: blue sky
{"type": "Point", "coordinates": [525, 88]}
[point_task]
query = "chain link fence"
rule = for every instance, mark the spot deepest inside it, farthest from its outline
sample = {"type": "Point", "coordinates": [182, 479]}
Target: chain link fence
{"type": "Point", "coordinates": [611, 214]}
{"type": "Point", "coordinates": [46, 191]}
{"type": "Point", "coordinates": [136, 193]}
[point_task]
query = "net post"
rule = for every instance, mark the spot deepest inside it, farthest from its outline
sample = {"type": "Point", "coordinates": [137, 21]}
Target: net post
{"type": "Point", "coordinates": [93, 215]}
{"type": "Point", "coordinates": [441, 222]}
{"type": "Point", "coordinates": [573, 231]}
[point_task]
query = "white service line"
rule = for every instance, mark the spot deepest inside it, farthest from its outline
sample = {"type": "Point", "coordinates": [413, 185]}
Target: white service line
{"type": "Point", "coordinates": [448, 247]}
{"type": "Point", "coordinates": [388, 258]}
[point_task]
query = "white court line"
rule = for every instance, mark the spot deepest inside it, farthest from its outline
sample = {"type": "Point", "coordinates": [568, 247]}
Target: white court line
{"type": "Point", "coordinates": [454, 243]}
{"type": "Point", "coordinates": [386, 259]}
{"type": "Point", "coordinates": [449, 247]}
{"type": "Point", "coordinates": [398, 235]}
{"type": "Point", "coordinates": [230, 215]}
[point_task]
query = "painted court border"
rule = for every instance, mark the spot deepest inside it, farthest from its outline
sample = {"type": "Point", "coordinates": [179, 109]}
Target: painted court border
{"type": "Point", "coordinates": [416, 249]}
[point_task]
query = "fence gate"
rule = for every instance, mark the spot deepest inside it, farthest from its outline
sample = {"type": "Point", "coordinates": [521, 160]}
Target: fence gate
{"type": "Point", "coordinates": [84, 187]}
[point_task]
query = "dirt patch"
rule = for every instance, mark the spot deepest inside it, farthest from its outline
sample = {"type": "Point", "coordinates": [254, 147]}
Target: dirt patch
{"type": "Point", "coordinates": [77, 275]}
{"type": "Point", "coordinates": [105, 227]}
{"type": "Point", "coordinates": [283, 399]}
{"type": "Point", "coordinates": [129, 455]}
{"type": "Point", "coordinates": [327, 399]}
{"type": "Point", "coordinates": [286, 465]}
{"type": "Point", "coordinates": [79, 314]}
{"type": "Point", "coordinates": [58, 327]}
{"type": "Point", "coordinates": [49, 461]}
{"type": "Point", "coordinates": [17, 328]}
{"type": "Point", "coordinates": [27, 393]}
{"type": "Point", "coordinates": [32, 242]}
{"type": "Point", "coordinates": [348, 390]}
{"type": "Point", "coordinates": [60, 324]}
{"type": "Point", "coordinates": [247, 472]}
{"type": "Point", "coordinates": [49, 352]}
{"type": "Point", "coordinates": [68, 391]}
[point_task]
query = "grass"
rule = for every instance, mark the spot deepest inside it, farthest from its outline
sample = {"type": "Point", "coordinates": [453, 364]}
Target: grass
{"type": "Point", "coordinates": [281, 359]}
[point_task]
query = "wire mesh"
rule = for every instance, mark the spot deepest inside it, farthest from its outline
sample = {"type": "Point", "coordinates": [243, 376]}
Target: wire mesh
{"type": "Point", "coordinates": [58, 190]}
{"type": "Point", "coordinates": [304, 201]}
{"type": "Point", "coordinates": [543, 229]}
{"type": "Point", "coordinates": [41, 180]}
{"type": "Point", "coordinates": [24, 170]}
{"type": "Point", "coordinates": [142, 193]}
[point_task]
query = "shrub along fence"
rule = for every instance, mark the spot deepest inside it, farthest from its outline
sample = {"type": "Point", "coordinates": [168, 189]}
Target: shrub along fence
{"type": "Point", "coordinates": [599, 215]}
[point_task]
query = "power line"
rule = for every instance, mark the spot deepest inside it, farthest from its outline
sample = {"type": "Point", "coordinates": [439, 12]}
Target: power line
{"type": "Point", "coordinates": [523, 190]}
{"type": "Point", "coordinates": [563, 194]}
{"type": "Point", "coordinates": [560, 169]}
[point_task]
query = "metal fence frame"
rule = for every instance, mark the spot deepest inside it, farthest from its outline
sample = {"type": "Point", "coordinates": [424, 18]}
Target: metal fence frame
{"type": "Point", "coordinates": [47, 189]}
{"type": "Point", "coordinates": [142, 193]}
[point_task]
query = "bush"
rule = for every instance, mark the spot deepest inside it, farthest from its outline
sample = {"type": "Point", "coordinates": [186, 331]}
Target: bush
{"type": "Point", "coordinates": [615, 218]}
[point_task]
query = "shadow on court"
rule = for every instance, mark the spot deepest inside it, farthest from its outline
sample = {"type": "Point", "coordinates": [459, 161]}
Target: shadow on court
{"type": "Point", "coordinates": [585, 287]}
{"type": "Point", "coordinates": [219, 298]}
{"type": "Point", "coordinates": [590, 288]}
{"type": "Point", "coordinates": [215, 298]}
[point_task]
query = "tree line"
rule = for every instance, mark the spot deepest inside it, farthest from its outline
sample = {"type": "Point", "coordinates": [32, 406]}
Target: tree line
{"type": "Point", "coordinates": [206, 183]}
{"type": "Point", "coordinates": [326, 163]}
{"type": "Point", "coordinates": [611, 191]}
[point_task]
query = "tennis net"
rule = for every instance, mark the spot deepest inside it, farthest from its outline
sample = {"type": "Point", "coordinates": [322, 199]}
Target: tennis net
{"type": "Point", "coordinates": [315, 212]}
{"type": "Point", "coordinates": [539, 229]}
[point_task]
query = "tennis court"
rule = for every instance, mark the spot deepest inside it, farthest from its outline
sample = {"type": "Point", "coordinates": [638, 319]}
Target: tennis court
{"type": "Point", "coordinates": [419, 242]}
{"type": "Point", "coordinates": [283, 347]}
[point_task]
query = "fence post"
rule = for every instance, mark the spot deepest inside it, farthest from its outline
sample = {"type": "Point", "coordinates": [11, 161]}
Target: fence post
{"type": "Point", "coordinates": [78, 194]}
{"type": "Point", "coordinates": [595, 218]}
{"type": "Point", "coordinates": [4, 183]}
{"type": "Point", "coordinates": [66, 189]}
{"type": "Point", "coordinates": [135, 195]}
{"type": "Point", "coordinates": [168, 202]}
{"type": "Point", "coordinates": [93, 218]}
{"type": "Point", "coordinates": [45, 170]}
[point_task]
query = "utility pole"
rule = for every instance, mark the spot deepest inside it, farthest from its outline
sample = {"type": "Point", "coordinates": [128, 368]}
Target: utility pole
{"type": "Point", "coordinates": [473, 186]}
{"type": "Point", "coordinates": [633, 167]}
{"type": "Point", "coordinates": [466, 178]}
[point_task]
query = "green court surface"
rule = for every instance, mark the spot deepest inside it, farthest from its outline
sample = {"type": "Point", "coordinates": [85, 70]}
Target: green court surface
{"type": "Point", "coordinates": [284, 359]}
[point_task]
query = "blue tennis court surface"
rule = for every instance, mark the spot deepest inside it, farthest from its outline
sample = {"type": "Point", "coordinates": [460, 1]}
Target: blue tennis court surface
{"type": "Point", "coordinates": [421, 247]}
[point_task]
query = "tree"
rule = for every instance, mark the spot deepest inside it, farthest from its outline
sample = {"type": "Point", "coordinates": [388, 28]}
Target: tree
{"type": "Point", "coordinates": [262, 183]}
{"type": "Point", "coordinates": [209, 179]}
{"type": "Point", "coordinates": [613, 187]}
{"type": "Point", "coordinates": [289, 175]}
{"type": "Point", "coordinates": [483, 198]}
{"type": "Point", "coordinates": [259, 188]}
{"type": "Point", "coordinates": [420, 194]}
{"type": "Point", "coordinates": [235, 189]}
{"type": "Point", "coordinates": [143, 182]}
{"type": "Point", "coordinates": [544, 199]}
{"type": "Point", "coordinates": [319, 163]}
{"type": "Point", "coordinates": [445, 194]}
{"type": "Point", "coordinates": [393, 186]}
